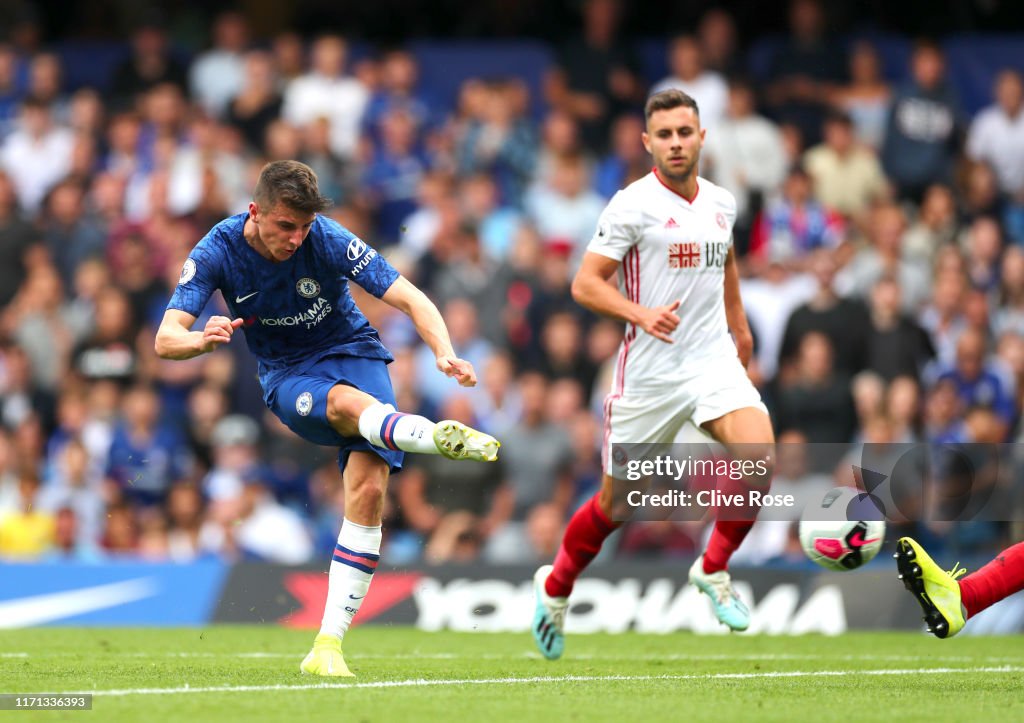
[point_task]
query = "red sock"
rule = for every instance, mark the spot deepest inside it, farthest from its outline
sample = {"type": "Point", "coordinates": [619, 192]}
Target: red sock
{"type": "Point", "coordinates": [583, 538]}
{"type": "Point", "coordinates": [997, 580]}
{"type": "Point", "coordinates": [725, 538]}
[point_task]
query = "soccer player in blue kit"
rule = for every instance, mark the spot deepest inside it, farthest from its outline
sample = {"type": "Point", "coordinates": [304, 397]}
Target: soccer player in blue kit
{"type": "Point", "coordinates": [284, 270]}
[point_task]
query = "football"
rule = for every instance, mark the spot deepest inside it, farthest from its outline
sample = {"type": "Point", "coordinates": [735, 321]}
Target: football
{"type": "Point", "coordinates": [844, 531]}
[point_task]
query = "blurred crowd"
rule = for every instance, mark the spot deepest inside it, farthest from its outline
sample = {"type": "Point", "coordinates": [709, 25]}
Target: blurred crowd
{"type": "Point", "coordinates": [880, 238]}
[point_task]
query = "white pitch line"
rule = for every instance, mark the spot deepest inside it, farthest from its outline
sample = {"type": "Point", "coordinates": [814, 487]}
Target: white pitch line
{"type": "Point", "coordinates": [423, 682]}
{"type": "Point", "coordinates": [576, 656]}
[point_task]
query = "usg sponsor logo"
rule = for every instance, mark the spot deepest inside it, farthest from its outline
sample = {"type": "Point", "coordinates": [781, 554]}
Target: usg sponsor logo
{"type": "Point", "coordinates": [613, 607]}
{"type": "Point", "coordinates": [310, 318]}
{"type": "Point", "coordinates": [304, 404]}
{"type": "Point", "coordinates": [307, 287]}
{"type": "Point", "coordinates": [356, 248]}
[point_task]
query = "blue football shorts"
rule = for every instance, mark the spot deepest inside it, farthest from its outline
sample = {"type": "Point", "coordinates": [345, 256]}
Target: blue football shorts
{"type": "Point", "coordinates": [300, 401]}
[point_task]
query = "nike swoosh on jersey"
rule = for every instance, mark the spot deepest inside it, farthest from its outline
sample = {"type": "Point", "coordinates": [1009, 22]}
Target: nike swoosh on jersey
{"type": "Point", "coordinates": [353, 597]}
{"type": "Point", "coordinates": [240, 299]}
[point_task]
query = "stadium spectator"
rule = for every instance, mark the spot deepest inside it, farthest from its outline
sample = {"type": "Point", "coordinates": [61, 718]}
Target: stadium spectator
{"type": "Point", "coordinates": [980, 382]}
{"type": "Point", "coordinates": [565, 209]}
{"type": "Point", "coordinates": [146, 454]}
{"type": "Point", "coordinates": [16, 235]}
{"type": "Point", "coordinates": [433, 489]}
{"type": "Point", "coordinates": [257, 103]}
{"type": "Point", "coordinates": [595, 77]}
{"type": "Point", "coordinates": [120, 536]}
{"type": "Point", "coordinates": [817, 401]}
{"type": "Point", "coordinates": [9, 92]}
{"type": "Point", "coordinates": [884, 256]}
{"type": "Point", "coordinates": [496, 222]}
{"type": "Point", "coordinates": [46, 83]}
{"type": "Point", "coordinates": [392, 176]}
{"type": "Point", "coordinates": [935, 226]}
{"type": "Point", "coordinates": [37, 155]}
{"type": "Point", "coordinates": [979, 192]}
{"type": "Point", "coordinates": [267, 530]}
{"type": "Point", "coordinates": [896, 346]}
{"type": "Point", "coordinates": [903, 408]}
{"type": "Point", "coordinates": [803, 70]}
{"type": "Point", "coordinates": [152, 63]}
{"type": "Point", "coordinates": [626, 160]}
{"type": "Point", "coordinates": [68, 544]}
{"type": "Point", "coordinates": [996, 134]}
{"type": "Point", "coordinates": [400, 90]}
{"type": "Point", "coordinates": [497, 139]}
{"type": "Point", "coordinates": [792, 226]}
{"type": "Point", "coordinates": [325, 91]}
{"type": "Point", "coordinates": [26, 532]}
{"type": "Point", "coordinates": [843, 320]}
{"type": "Point", "coordinates": [744, 153]}
{"type": "Point", "coordinates": [537, 454]}
{"type": "Point", "coordinates": [689, 74]}
{"type": "Point", "coordinates": [464, 328]}
{"type": "Point", "coordinates": [847, 177]}
{"type": "Point", "coordinates": [924, 126]}
{"type": "Point", "coordinates": [472, 275]}
{"type": "Point", "coordinates": [1009, 314]}
{"type": "Point", "coordinates": [39, 321]}
{"type": "Point", "coordinates": [983, 246]}
{"type": "Point", "coordinates": [217, 75]}
{"type": "Point", "coordinates": [716, 32]}
{"type": "Point", "coordinates": [867, 97]}
{"type": "Point", "coordinates": [70, 231]}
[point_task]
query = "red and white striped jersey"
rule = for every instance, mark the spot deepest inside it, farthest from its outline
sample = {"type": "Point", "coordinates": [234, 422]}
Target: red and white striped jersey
{"type": "Point", "coordinates": [671, 249]}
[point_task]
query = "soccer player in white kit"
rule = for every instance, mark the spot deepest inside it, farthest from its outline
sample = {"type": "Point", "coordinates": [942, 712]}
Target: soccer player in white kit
{"type": "Point", "coordinates": [668, 236]}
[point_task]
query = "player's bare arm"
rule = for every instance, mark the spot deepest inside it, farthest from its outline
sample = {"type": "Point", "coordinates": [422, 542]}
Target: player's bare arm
{"type": "Point", "coordinates": [412, 302]}
{"type": "Point", "coordinates": [735, 317]}
{"type": "Point", "coordinates": [591, 289]}
{"type": "Point", "coordinates": [176, 340]}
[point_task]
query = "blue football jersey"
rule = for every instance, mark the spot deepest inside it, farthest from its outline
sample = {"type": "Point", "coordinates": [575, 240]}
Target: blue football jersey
{"type": "Point", "coordinates": [296, 311]}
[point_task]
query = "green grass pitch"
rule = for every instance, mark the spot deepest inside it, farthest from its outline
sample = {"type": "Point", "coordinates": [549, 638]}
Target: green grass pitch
{"type": "Point", "coordinates": [225, 673]}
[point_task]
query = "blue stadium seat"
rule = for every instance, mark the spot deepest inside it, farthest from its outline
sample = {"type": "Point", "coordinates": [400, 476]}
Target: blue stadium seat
{"type": "Point", "coordinates": [444, 66]}
{"type": "Point", "coordinates": [974, 60]}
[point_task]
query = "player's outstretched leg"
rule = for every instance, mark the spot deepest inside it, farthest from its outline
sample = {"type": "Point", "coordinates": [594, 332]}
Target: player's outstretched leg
{"type": "Point", "coordinates": [584, 535]}
{"type": "Point", "coordinates": [385, 427]}
{"type": "Point", "coordinates": [936, 591]}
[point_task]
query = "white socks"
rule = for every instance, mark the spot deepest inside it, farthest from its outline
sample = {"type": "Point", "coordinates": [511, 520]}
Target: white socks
{"type": "Point", "coordinates": [355, 559]}
{"type": "Point", "coordinates": [384, 427]}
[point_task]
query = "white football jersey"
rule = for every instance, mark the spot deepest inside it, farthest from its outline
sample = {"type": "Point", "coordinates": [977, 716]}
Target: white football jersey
{"type": "Point", "coordinates": [670, 249]}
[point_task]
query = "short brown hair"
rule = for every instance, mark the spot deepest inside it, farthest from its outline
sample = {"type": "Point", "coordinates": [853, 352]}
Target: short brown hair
{"type": "Point", "coordinates": [669, 99]}
{"type": "Point", "coordinates": [292, 184]}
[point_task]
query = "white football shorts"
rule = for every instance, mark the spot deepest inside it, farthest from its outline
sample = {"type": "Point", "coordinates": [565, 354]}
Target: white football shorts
{"type": "Point", "coordinates": [721, 386]}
